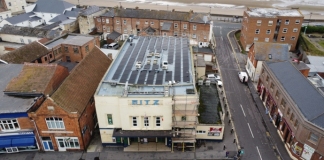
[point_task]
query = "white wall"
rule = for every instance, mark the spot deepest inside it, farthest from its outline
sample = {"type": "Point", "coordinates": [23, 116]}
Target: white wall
{"type": "Point", "coordinates": [112, 51]}
{"type": "Point", "coordinates": [213, 134]}
{"type": "Point", "coordinates": [210, 36]}
{"type": "Point", "coordinates": [4, 15]}
{"type": "Point", "coordinates": [46, 16]}
{"type": "Point", "coordinates": [17, 38]}
{"type": "Point", "coordinates": [23, 24]}
{"type": "Point", "coordinates": [258, 71]}
{"type": "Point", "coordinates": [35, 23]}
{"type": "Point", "coordinates": [29, 8]}
{"type": "Point", "coordinates": [207, 57]}
{"type": "Point", "coordinates": [4, 22]}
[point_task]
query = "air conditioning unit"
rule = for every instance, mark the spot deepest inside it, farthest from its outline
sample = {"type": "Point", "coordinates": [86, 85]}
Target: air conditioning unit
{"type": "Point", "coordinates": [155, 61]}
{"type": "Point", "coordinates": [138, 65]}
{"type": "Point", "coordinates": [207, 83]}
{"type": "Point", "coordinates": [150, 54]}
{"type": "Point", "coordinates": [157, 55]}
{"type": "Point", "coordinates": [165, 65]}
{"type": "Point", "coordinates": [200, 82]}
{"type": "Point", "coordinates": [148, 62]}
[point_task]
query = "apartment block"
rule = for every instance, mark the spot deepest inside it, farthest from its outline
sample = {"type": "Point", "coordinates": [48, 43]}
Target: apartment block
{"type": "Point", "coordinates": [196, 26]}
{"type": "Point", "coordinates": [295, 106]}
{"type": "Point", "coordinates": [271, 25]}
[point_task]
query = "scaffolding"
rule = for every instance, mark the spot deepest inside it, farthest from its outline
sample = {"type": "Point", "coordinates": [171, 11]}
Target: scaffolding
{"type": "Point", "coordinates": [184, 121]}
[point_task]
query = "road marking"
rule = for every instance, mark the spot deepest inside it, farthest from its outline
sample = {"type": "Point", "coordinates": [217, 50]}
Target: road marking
{"type": "Point", "coordinates": [243, 110]}
{"type": "Point", "coordinates": [222, 38]}
{"type": "Point", "coordinates": [250, 130]}
{"type": "Point", "coordinates": [259, 152]}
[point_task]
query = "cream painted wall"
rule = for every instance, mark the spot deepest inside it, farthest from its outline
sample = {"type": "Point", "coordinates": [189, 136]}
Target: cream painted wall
{"type": "Point", "coordinates": [201, 72]}
{"type": "Point", "coordinates": [16, 5]}
{"type": "Point", "coordinates": [108, 105]}
{"type": "Point", "coordinates": [206, 128]}
{"type": "Point", "coordinates": [258, 71]}
{"type": "Point", "coordinates": [17, 38]}
{"type": "Point", "coordinates": [106, 135]}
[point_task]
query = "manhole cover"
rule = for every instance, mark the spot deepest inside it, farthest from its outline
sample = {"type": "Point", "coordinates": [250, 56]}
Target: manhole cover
{"type": "Point", "coordinates": [210, 147]}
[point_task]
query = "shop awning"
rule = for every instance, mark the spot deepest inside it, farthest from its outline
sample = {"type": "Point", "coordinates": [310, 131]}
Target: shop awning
{"type": "Point", "coordinates": [23, 142]}
{"type": "Point", "coordinates": [142, 133]}
{"type": "Point", "coordinates": [5, 143]}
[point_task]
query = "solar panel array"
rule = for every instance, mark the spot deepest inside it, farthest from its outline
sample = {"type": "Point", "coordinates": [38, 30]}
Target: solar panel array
{"type": "Point", "coordinates": [150, 73]}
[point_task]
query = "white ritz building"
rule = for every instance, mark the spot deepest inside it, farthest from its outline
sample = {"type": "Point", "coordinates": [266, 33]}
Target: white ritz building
{"type": "Point", "coordinates": [146, 101]}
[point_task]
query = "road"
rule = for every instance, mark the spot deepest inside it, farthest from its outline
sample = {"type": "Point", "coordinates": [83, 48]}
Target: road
{"type": "Point", "coordinates": [245, 116]}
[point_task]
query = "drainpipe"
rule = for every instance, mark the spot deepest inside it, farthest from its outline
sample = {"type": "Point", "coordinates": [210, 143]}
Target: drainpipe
{"type": "Point", "coordinates": [37, 135]}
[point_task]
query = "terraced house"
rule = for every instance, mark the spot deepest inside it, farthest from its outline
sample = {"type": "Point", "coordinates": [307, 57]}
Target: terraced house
{"type": "Point", "coordinates": [142, 22]}
{"type": "Point", "coordinates": [296, 107]}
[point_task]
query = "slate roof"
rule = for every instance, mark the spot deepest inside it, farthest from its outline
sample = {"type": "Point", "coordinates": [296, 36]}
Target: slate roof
{"type": "Point", "coordinates": [19, 18]}
{"type": "Point", "coordinates": [308, 100]}
{"type": "Point", "coordinates": [90, 10]}
{"type": "Point", "coordinates": [114, 35]}
{"type": "Point", "coordinates": [71, 13]}
{"type": "Point", "coordinates": [27, 53]}
{"type": "Point", "coordinates": [166, 26]}
{"type": "Point", "coordinates": [36, 78]}
{"type": "Point", "coordinates": [58, 18]}
{"type": "Point", "coordinates": [52, 6]}
{"type": "Point", "coordinates": [279, 52]}
{"type": "Point", "coordinates": [155, 14]}
{"type": "Point", "coordinates": [77, 89]}
{"type": "Point", "coordinates": [24, 31]}
{"type": "Point", "coordinates": [11, 104]}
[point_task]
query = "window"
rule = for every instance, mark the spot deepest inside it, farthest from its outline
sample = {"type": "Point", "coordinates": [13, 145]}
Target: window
{"type": "Point", "coordinates": [297, 21]}
{"type": "Point", "coordinates": [194, 27]}
{"type": "Point", "coordinates": [9, 3]}
{"type": "Point", "coordinates": [45, 59]}
{"type": "Point", "coordinates": [12, 149]}
{"type": "Point", "coordinates": [99, 19]}
{"type": "Point", "coordinates": [146, 121]}
{"type": "Point", "coordinates": [271, 86]}
{"type": "Point", "coordinates": [277, 94]}
{"type": "Point", "coordinates": [103, 27]}
{"type": "Point", "coordinates": [267, 79]}
{"type": "Point", "coordinates": [117, 21]}
{"type": "Point", "coordinates": [66, 48]}
{"type": "Point", "coordinates": [108, 29]}
{"type": "Point", "coordinates": [23, 7]}
{"type": "Point", "coordinates": [296, 123]}
{"type": "Point", "coordinates": [256, 38]}
{"type": "Point", "coordinates": [259, 22]}
{"type": "Point", "coordinates": [183, 34]}
{"type": "Point", "coordinates": [194, 36]}
{"type": "Point", "coordinates": [183, 118]}
{"type": "Point", "coordinates": [55, 52]}
{"type": "Point", "coordinates": [124, 21]}
{"type": "Point", "coordinates": [268, 31]}
{"type": "Point", "coordinates": [161, 24]}
{"type": "Point", "coordinates": [134, 121]}
{"type": "Point", "coordinates": [292, 38]}
{"type": "Point", "coordinates": [313, 137]}
{"type": "Point", "coordinates": [285, 30]}
{"type": "Point", "coordinates": [87, 48]}
{"type": "Point", "coordinates": [110, 119]}
{"type": "Point", "coordinates": [76, 50]}
{"type": "Point", "coordinates": [158, 121]}
{"type": "Point", "coordinates": [266, 39]}
{"type": "Point", "coordinates": [137, 22]}
{"type": "Point", "coordinates": [287, 22]}
{"type": "Point", "coordinates": [175, 25]}
{"type": "Point", "coordinates": [282, 38]}
{"type": "Point", "coordinates": [152, 23]}
{"type": "Point", "coordinates": [295, 29]}
{"type": "Point", "coordinates": [292, 117]}
{"type": "Point", "coordinates": [288, 111]}
{"type": "Point", "coordinates": [270, 23]}
{"type": "Point", "coordinates": [200, 132]}
{"type": "Point", "coordinates": [9, 125]}
{"type": "Point", "coordinates": [184, 26]}
{"type": "Point", "coordinates": [257, 31]}
{"type": "Point", "coordinates": [146, 22]}
{"type": "Point", "coordinates": [68, 142]}
{"type": "Point", "coordinates": [164, 34]}
{"type": "Point", "coordinates": [107, 20]}
{"type": "Point", "coordinates": [55, 123]}
{"type": "Point", "coordinates": [21, 40]}
{"type": "Point", "coordinates": [103, 20]}
{"type": "Point", "coordinates": [283, 103]}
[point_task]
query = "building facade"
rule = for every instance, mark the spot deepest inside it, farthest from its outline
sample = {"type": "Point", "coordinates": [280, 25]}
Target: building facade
{"type": "Point", "coordinates": [86, 21]}
{"type": "Point", "coordinates": [14, 6]}
{"type": "Point", "coordinates": [66, 120]}
{"type": "Point", "coordinates": [146, 101]}
{"type": "Point", "coordinates": [196, 26]}
{"type": "Point", "coordinates": [296, 108]}
{"type": "Point", "coordinates": [271, 25]}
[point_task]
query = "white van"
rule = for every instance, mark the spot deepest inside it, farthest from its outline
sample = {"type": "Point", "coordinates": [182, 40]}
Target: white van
{"type": "Point", "coordinates": [243, 77]}
{"type": "Point", "coordinates": [213, 77]}
{"type": "Point", "coordinates": [113, 46]}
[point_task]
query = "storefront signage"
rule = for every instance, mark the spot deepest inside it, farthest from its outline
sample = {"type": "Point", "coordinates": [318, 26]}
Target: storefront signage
{"type": "Point", "coordinates": [146, 102]}
{"type": "Point", "coordinates": [214, 131]}
{"type": "Point", "coordinates": [17, 133]}
{"type": "Point", "coordinates": [307, 152]}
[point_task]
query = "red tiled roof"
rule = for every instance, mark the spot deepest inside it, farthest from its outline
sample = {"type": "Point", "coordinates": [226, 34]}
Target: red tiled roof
{"type": "Point", "coordinates": [79, 87]}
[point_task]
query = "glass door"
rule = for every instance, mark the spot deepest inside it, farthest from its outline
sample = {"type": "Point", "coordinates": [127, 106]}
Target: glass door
{"type": "Point", "coordinates": [60, 144]}
{"type": "Point", "coordinates": [47, 144]}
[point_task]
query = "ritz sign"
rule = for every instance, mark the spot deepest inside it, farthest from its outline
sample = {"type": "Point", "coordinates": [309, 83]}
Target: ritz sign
{"type": "Point", "coordinates": [145, 102]}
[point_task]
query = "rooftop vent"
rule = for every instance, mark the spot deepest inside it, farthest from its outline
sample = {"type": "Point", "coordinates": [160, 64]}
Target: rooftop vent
{"type": "Point", "coordinates": [165, 65]}
{"type": "Point", "coordinates": [200, 82]}
{"type": "Point", "coordinates": [138, 65]}
{"type": "Point", "coordinates": [207, 83]}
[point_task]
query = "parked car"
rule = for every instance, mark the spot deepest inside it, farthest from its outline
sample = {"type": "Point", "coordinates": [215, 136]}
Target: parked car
{"type": "Point", "coordinates": [243, 77]}
{"type": "Point", "coordinates": [219, 83]}
{"type": "Point", "coordinates": [213, 77]}
{"type": "Point", "coordinates": [113, 46]}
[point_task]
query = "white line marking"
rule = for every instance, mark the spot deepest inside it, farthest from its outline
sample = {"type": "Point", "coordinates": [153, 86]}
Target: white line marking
{"type": "Point", "coordinates": [243, 110]}
{"type": "Point", "coordinates": [222, 38]}
{"type": "Point", "coordinates": [259, 152]}
{"type": "Point", "coordinates": [250, 130]}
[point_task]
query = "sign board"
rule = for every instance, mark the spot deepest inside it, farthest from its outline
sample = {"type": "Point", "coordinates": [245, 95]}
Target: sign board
{"type": "Point", "coordinates": [145, 102]}
{"type": "Point", "coordinates": [214, 131]}
{"type": "Point", "coordinates": [307, 152]}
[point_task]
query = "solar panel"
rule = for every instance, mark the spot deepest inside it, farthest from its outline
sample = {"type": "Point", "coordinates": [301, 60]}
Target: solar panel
{"type": "Point", "coordinates": [155, 67]}
{"type": "Point", "coordinates": [132, 78]}
{"type": "Point", "coordinates": [147, 67]}
{"type": "Point", "coordinates": [159, 78]}
{"type": "Point", "coordinates": [141, 78]}
{"type": "Point", "coordinates": [150, 77]}
{"type": "Point", "coordinates": [168, 76]}
{"type": "Point", "coordinates": [186, 77]}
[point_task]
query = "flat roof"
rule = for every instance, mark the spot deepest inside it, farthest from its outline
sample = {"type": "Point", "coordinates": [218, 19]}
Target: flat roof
{"type": "Point", "coordinates": [139, 68]}
{"type": "Point", "coordinates": [78, 40]}
{"type": "Point", "coordinates": [10, 104]}
{"type": "Point", "coordinates": [208, 108]}
{"type": "Point", "coordinates": [273, 12]}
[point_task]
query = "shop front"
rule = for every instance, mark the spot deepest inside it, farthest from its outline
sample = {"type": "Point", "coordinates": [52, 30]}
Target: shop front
{"type": "Point", "coordinates": [11, 142]}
